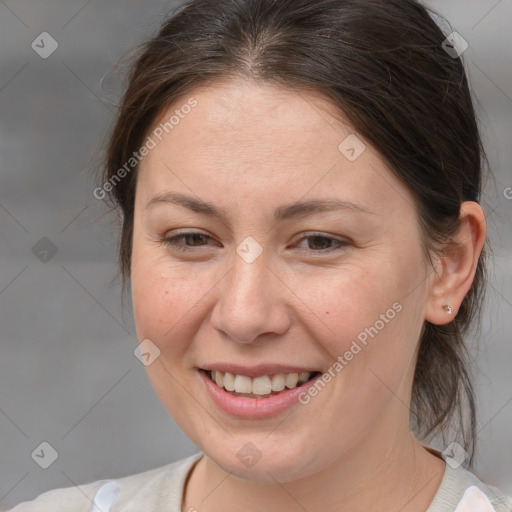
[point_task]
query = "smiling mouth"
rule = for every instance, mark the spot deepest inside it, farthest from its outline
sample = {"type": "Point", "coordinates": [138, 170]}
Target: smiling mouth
{"type": "Point", "coordinates": [258, 387]}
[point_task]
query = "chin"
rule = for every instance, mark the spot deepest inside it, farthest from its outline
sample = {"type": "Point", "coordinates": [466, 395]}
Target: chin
{"type": "Point", "coordinates": [265, 465]}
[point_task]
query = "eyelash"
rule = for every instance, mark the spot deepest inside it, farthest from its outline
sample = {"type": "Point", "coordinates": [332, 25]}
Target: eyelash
{"type": "Point", "coordinates": [172, 241]}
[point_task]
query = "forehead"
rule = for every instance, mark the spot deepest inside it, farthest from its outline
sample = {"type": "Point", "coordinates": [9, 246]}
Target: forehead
{"type": "Point", "coordinates": [234, 105]}
{"type": "Point", "coordinates": [237, 119]}
{"type": "Point", "coordinates": [248, 136]}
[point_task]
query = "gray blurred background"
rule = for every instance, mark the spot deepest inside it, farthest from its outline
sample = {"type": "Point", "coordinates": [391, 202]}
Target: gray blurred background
{"type": "Point", "coordinates": [68, 375]}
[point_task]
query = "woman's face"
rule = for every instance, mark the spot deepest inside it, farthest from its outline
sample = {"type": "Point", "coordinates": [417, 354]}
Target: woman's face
{"type": "Point", "coordinates": [274, 284]}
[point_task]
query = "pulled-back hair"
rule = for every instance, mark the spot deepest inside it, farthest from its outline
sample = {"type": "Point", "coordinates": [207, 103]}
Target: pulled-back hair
{"type": "Point", "coordinates": [383, 67]}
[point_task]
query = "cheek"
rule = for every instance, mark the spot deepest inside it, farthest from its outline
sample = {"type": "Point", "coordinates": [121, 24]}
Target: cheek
{"type": "Point", "coordinates": [346, 301]}
{"type": "Point", "coordinates": [170, 304]}
{"type": "Point", "coordinates": [163, 298]}
{"type": "Point", "coordinates": [364, 318]}
{"type": "Point", "coordinates": [367, 332]}
{"type": "Point", "coordinates": [162, 306]}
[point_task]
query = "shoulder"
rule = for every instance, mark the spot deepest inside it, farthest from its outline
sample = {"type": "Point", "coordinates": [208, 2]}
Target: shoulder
{"type": "Point", "coordinates": [462, 491]}
{"type": "Point", "coordinates": [144, 491]}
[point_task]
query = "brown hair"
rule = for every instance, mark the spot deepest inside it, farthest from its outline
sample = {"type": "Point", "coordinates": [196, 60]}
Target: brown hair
{"type": "Point", "coordinates": [382, 65]}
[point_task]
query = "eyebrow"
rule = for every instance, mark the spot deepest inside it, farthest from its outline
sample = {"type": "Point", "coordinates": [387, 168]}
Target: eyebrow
{"type": "Point", "coordinates": [302, 209]}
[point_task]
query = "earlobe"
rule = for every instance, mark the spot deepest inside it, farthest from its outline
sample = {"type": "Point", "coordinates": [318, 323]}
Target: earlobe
{"type": "Point", "coordinates": [448, 308]}
{"type": "Point", "coordinates": [457, 265]}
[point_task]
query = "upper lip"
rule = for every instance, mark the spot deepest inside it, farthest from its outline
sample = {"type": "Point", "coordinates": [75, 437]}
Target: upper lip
{"type": "Point", "coordinates": [258, 370]}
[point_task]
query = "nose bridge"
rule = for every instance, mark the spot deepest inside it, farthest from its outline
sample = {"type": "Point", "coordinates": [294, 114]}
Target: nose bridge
{"type": "Point", "coordinates": [249, 301]}
{"type": "Point", "coordinates": [249, 267]}
{"type": "Point", "coordinates": [248, 283]}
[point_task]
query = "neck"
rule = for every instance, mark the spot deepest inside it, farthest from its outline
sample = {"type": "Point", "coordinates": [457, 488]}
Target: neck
{"type": "Point", "coordinates": [399, 474]}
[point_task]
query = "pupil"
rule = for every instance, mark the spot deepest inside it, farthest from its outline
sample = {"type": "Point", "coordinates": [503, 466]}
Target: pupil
{"type": "Point", "coordinates": [196, 237]}
{"type": "Point", "coordinates": [318, 239]}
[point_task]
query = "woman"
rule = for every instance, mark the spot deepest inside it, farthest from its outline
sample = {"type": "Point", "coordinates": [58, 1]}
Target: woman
{"type": "Point", "coordinates": [299, 189]}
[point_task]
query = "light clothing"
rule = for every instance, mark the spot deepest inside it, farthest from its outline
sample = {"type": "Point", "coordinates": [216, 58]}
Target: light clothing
{"type": "Point", "coordinates": [161, 490]}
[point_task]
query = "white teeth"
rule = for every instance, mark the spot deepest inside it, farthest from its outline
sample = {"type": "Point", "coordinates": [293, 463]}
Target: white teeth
{"type": "Point", "coordinates": [292, 379]}
{"type": "Point", "coordinates": [263, 385]}
{"type": "Point", "coordinates": [278, 382]}
{"type": "Point", "coordinates": [303, 377]}
{"type": "Point", "coordinates": [243, 384]}
{"type": "Point", "coordinates": [229, 381]}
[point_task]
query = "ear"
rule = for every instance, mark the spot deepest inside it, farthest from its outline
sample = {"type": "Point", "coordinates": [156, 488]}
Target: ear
{"type": "Point", "coordinates": [456, 266]}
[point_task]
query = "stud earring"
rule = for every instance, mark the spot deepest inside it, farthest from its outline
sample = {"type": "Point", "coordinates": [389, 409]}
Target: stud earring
{"type": "Point", "coordinates": [448, 308]}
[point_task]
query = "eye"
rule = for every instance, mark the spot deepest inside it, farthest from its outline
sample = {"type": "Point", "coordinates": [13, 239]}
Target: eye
{"type": "Point", "coordinates": [319, 242]}
{"type": "Point", "coordinates": [175, 240]}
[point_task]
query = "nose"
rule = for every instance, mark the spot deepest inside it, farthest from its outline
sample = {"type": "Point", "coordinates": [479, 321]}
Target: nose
{"type": "Point", "coordinates": [252, 302]}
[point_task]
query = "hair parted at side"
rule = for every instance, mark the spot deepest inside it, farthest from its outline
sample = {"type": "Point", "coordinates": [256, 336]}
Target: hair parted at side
{"type": "Point", "coordinates": [382, 66]}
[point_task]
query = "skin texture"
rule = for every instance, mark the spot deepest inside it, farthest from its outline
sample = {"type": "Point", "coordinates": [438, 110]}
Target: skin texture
{"type": "Point", "coordinates": [250, 148]}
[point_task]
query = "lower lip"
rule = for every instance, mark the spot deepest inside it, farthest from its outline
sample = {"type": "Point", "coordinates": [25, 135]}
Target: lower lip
{"type": "Point", "coordinates": [244, 407]}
